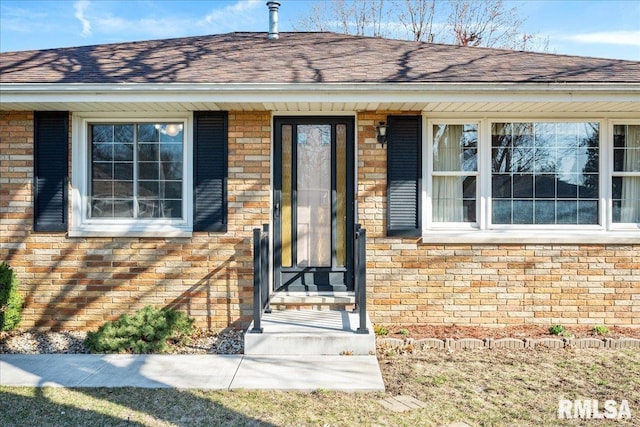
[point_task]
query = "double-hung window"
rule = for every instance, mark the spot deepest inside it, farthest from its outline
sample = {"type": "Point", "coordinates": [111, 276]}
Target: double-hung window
{"type": "Point", "coordinates": [454, 174]}
{"type": "Point", "coordinates": [132, 176]}
{"type": "Point", "coordinates": [532, 180]}
{"type": "Point", "coordinates": [625, 183]}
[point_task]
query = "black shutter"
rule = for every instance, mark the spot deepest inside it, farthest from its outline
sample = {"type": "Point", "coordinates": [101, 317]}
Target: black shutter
{"type": "Point", "coordinates": [404, 175]}
{"type": "Point", "coordinates": [210, 171]}
{"type": "Point", "coordinates": [50, 171]}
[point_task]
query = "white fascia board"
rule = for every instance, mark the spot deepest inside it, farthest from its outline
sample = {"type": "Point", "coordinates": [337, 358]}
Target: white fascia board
{"type": "Point", "coordinates": [319, 92]}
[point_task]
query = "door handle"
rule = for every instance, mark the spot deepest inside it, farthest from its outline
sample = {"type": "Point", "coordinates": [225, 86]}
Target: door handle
{"type": "Point", "coordinates": [276, 210]}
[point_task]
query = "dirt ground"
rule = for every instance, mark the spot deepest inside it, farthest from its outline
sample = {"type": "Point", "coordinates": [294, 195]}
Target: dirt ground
{"type": "Point", "coordinates": [519, 331]}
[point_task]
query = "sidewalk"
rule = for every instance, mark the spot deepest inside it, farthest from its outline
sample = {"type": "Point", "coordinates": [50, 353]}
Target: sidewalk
{"type": "Point", "coordinates": [217, 372]}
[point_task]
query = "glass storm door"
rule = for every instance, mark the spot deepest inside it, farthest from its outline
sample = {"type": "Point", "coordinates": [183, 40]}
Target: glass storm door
{"type": "Point", "coordinates": [313, 203]}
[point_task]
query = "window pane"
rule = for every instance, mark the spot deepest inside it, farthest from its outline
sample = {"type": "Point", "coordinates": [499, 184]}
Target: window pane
{"type": "Point", "coordinates": [547, 168]}
{"type": "Point", "coordinates": [173, 190]}
{"type": "Point", "coordinates": [123, 133]}
{"type": "Point", "coordinates": [148, 133]}
{"type": "Point", "coordinates": [455, 148]}
{"type": "Point", "coordinates": [123, 189]}
{"type": "Point", "coordinates": [123, 152]}
{"type": "Point", "coordinates": [102, 152]}
{"type": "Point", "coordinates": [147, 152]}
{"type": "Point", "coordinates": [501, 212]}
{"type": "Point", "coordinates": [523, 186]}
{"type": "Point", "coordinates": [314, 195]}
{"type": "Point", "coordinates": [545, 212]}
{"type": "Point", "coordinates": [123, 208]}
{"type": "Point", "coordinates": [102, 171]}
{"type": "Point", "coordinates": [171, 170]}
{"type": "Point", "coordinates": [501, 186]}
{"type": "Point", "coordinates": [102, 133]}
{"type": "Point", "coordinates": [148, 189]}
{"type": "Point", "coordinates": [454, 198]}
{"type": "Point", "coordinates": [522, 212]}
{"type": "Point", "coordinates": [148, 170]}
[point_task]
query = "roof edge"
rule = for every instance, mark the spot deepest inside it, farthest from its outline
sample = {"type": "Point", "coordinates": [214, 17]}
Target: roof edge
{"type": "Point", "coordinates": [470, 87]}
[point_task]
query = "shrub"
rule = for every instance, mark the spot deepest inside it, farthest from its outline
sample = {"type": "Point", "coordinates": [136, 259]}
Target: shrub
{"type": "Point", "coordinates": [380, 330]}
{"type": "Point", "coordinates": [557, 330]}
{"type": "Point", "coordinates": [149, 330]}
{"type": "Point", "coordinates": [10, 299]}
{"type": "Point", "coordinates": [600, 330]}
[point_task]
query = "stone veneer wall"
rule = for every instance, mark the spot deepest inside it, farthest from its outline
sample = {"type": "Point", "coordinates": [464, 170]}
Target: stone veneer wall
{"type": "Point", "coordinates": [78, 283]}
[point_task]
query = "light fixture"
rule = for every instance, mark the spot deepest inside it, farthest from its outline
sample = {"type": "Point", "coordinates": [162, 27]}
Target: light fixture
{"type": "Point", "coordinates": [172, 129]}
{"type": "Point", "coordinates": [381, 133]}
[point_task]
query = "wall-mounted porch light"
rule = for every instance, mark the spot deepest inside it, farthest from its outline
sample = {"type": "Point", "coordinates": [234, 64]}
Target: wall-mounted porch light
{"type": "Point", "coordinates": [381, 133]}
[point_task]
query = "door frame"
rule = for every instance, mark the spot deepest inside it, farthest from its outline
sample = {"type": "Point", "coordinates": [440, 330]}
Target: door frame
{"type": "Point", "coordinates": [351, 191]}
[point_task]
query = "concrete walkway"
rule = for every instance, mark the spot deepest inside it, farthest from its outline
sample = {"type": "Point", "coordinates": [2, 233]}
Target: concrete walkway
{"type": "Point", "coordinates": [214, 372]}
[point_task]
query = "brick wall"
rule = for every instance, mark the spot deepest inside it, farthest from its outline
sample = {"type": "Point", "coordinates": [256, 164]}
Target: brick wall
{"type": "Point", "coordinates": [413, 282]}
{"type": "Point", "coordinates": [82, 282]}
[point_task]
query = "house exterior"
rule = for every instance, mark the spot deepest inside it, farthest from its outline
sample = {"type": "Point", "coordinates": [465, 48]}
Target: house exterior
{"type": "Point", "coordinates": [507, 190]}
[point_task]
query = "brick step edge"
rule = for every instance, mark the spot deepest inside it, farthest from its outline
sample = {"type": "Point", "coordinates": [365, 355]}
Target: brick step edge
{"type": "Point", "coordinates": [513, 343]}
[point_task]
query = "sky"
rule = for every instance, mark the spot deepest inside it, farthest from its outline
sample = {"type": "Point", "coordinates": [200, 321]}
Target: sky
{"type": "Point", "coordinates": [597, 28]}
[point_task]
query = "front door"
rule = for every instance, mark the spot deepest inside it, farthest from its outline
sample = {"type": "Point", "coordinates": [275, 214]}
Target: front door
{"type": "Point", "coordinates": [313, 213]}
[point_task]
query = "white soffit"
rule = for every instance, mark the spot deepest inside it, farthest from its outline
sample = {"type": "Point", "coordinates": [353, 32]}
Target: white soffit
{"type": "Point", "coordinates": [436, 98]}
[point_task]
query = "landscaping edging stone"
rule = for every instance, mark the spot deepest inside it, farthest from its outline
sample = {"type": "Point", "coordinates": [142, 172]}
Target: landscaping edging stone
{"type": "Point", "coordinates": [512, 343]}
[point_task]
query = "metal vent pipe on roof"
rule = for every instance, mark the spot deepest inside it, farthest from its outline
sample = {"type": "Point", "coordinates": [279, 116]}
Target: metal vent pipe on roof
{"type": "Point", "coordinates": [273, 19]}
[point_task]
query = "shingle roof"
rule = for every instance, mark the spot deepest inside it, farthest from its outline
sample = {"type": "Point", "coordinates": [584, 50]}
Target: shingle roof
{"type": "Point", "coordinates": [303, 58]}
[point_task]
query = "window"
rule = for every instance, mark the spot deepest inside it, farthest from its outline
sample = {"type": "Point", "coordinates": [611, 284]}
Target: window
{"type": "Point", "coordinates": [544, 173]}
{"type": "Point", "coordinates": [130, 176]}
{"type": "Point", "coordinates": [626, 174]}
{"type": "Point", "coordinates": [536, 181]}
{"type": "Point", "coordinates": [455, 171]}
{"type": "Point", "coordinates": [136, 170]}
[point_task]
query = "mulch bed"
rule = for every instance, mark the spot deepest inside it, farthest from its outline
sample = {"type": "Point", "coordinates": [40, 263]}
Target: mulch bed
{"type": "Point", "coordinates": [519, 331]}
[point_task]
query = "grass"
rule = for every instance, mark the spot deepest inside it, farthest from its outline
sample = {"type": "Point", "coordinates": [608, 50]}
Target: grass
{"type": "Point", "coordinates": [480, 388]}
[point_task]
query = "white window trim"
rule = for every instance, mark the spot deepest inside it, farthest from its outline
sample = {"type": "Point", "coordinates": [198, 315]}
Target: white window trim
{"type": "Point", "coordinates": [428, 206]}
{"type": "Point", "coordinates": [610, 224]}
{"type": "Point", "coordinates": [483, 231]}
{"type": "Point", "coordinates": [84, 226]}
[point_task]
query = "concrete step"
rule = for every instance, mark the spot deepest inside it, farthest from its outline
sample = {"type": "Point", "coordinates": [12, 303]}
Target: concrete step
{"type": "Point", "coordinates": [284, 299]}
{"type": "Point", "coordinates": [310, 332]}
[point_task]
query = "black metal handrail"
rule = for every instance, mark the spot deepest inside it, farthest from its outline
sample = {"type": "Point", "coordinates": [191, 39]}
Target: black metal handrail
{"type": "Point", "coordinates": [260, 276]}
{"type": "Point", "coordinates": [360, 276]}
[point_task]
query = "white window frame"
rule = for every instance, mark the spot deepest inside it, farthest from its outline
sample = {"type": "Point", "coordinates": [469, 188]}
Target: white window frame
{"type": "Point", "coordinates": [430, 173]}
{"type": "Point", "coordinates": [82, 225]}
{"type": "Point", "coordinates": [484, 231]}
{"type": "Point", "coordinates": [610, 224]}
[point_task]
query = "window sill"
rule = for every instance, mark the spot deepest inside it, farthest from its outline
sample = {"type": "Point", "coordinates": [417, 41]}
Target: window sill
{"type": "Point", "coordinates": [533, 237]}
{"type": "Point", "coordinates": [107, 231]}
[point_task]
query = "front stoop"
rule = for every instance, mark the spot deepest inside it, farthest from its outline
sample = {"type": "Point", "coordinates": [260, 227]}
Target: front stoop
{"type": "Point", "coordinates": [310, 332]}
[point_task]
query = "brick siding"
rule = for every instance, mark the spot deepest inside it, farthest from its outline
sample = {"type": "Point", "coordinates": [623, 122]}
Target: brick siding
{"type": "Point", "coordinates": [82, 282]}
{"type": "Point", "coordinates": [413, 282]}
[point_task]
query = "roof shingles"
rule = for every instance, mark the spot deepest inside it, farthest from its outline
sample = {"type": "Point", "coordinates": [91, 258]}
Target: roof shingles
{"type": "Point", "coordinates": [303, 58]}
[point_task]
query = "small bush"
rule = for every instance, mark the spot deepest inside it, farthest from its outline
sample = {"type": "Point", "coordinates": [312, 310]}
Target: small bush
{"type": "Point", "coordinates": [557, 330]}
{"type": "Point", "coordinates": [404, 332]}
{"type": "Point", "coordinates": [380, 330]}
{"type": "Point", "coordinates": [600, 330]}
{"type": "Point", "coordinates": [149, 330]}
{"type": "Point", "coordinates": [10, 299]}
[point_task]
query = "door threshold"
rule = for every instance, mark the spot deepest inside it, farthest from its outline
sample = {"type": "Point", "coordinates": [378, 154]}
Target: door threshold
{"type": "Point", "coordinates": [312, 298]}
